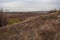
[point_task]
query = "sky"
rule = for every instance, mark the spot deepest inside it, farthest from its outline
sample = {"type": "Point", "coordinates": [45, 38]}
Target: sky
{"type": "Point", "coordinates": [30, 5]}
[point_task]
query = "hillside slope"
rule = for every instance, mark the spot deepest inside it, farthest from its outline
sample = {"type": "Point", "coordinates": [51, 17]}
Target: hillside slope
{"type": "Point", "coordinates": [41, 27]}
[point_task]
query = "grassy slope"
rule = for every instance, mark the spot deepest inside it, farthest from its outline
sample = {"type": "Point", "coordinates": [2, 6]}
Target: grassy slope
{"type": "Point", "coordinates": [44, 27]}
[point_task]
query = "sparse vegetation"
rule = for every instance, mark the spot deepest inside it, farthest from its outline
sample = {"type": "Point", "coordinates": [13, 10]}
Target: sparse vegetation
{"type": "Point", "coordinates": [13, 20]}
{"type": "Point", "coordinates": [44, 27]}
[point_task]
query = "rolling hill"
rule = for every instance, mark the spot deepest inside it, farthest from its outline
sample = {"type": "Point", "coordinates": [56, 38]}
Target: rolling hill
{"type": "Point", "coordinates": [39, 27]}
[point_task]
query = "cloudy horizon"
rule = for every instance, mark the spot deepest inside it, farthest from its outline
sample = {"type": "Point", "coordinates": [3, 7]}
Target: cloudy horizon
{"type": "Point", "coordinates": [30, 5]}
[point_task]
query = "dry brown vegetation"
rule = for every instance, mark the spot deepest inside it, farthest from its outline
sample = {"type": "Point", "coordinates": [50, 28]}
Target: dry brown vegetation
{"type": "Point", "coordinates": [35, 27]}
{"type": "Point", "coordinates": [9, 18]}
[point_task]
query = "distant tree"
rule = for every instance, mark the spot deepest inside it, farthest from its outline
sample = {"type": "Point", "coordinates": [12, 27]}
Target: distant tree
{"type": "Point", "coordinates": [52, 11]}
{"type": "Point", "coordinates": [5, 10]}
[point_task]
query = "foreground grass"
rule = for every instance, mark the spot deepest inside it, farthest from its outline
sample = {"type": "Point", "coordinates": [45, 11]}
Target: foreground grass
{"type": "Point", "coordinates": [42, 28]}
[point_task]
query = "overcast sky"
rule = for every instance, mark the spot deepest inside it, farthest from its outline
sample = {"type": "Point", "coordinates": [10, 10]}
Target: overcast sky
{"type": "Point", "coordinates": [30, 5]}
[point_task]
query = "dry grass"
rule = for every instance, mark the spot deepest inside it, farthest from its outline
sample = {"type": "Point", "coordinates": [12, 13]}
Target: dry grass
{"type": "Point", "coordinates": [44, 27]}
